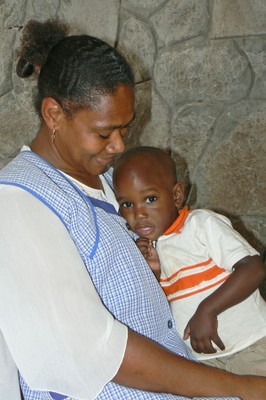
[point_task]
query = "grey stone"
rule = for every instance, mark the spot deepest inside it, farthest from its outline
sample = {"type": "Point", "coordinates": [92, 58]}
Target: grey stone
{"type": "Point", "coordinates": [6, 49]}
{"type": "Point", "coordinates": [157, 130]}
{"type": "Point", "coordinates": [98, 18]}
{"type": "Point", "coordinates": [238, 17]}
{"type": "Point", "coordinates": [255, 51]}
{"type": "Point", "coordinates": [142, 114]}
{"type": "Point", "coordinates": [142, 7]}
{"type": "Point", "coordinates": [231, 176]}
{"type": "Point", "coordinates": [203, 71]}
{"type": "Point", "coordinates": [136, 43]}
{"type": "Point", "coordinates": [192, 128]}
{"type": "Point", "coordinates": [18, 125]}
{"type": "Point", "coordinates": [12, 13]}
{"type": "Point", "coordinates": [181, 20]}
{"type": "Point", "coordinates": [41, 10]}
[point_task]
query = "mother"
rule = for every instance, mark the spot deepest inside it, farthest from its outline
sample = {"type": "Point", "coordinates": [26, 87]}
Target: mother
{"type": "Point", "coordinates": [61, 238]}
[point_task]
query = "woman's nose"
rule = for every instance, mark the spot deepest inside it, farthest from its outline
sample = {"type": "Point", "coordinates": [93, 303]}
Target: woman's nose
{"type": "Point", "coordinates": [116, 143]}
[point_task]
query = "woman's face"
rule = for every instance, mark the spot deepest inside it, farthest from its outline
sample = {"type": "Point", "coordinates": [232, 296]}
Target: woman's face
{"type": "Point", "coordinates": [87, 143]}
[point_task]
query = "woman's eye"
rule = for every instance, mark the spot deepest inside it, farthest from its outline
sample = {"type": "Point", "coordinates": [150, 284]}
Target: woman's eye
{"type": "Point", "coordinates": [104, 135]}
{"type": "Point", "coordinates": [126, 204]}
{"type": "Point", "coordinates": [151, 199]}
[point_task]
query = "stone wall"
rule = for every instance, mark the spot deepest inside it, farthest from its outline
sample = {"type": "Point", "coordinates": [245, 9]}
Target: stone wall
{"type": "Point", "coordinates": [200, 68]}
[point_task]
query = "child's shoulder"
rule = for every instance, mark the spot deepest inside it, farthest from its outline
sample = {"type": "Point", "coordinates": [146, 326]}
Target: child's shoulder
{"type": "Point", "coordinates": [203, 216]}
{"type": "Point", "coordinates": [203, 213]}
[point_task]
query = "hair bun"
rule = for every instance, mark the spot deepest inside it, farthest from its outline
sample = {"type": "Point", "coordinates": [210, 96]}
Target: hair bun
{"type": "Point", "coordinates": [38, 38]}
{"type": "Point", "coordinates": [24, 68]}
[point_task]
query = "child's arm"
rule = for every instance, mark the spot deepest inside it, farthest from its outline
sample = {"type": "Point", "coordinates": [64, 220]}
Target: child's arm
{"type": "Point", "coordinates": [202, 327]}
{"type": "Point", "coordinates": [150, 254]}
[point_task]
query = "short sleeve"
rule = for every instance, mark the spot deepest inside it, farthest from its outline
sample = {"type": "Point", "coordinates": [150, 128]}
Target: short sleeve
{"type": "Point", "coordinates": [225, 245]}
{"type": "Point", "coordinates": [58, 332]}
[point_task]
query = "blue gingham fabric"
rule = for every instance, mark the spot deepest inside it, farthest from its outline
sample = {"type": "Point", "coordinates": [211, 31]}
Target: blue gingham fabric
{"type": "Point", "coordinates": [121, 276]}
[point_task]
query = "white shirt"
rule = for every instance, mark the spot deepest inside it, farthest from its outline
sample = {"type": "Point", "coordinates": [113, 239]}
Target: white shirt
{"type": "Point", "coordinates": [53, 304]}
{"type": "Point", "coordinates": [190, 262]}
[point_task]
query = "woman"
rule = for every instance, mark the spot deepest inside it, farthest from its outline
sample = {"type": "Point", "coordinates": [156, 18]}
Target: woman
{"type": "Point", "coordinates": [61, 238]}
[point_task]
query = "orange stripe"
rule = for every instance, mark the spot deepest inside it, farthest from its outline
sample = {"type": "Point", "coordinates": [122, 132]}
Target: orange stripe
{"type": "Point", "coordinates": [197, 291]}
{"type": "Point", "coordinates": [191, 281]}
{"type": "Point", "coordinates": [201, 264]}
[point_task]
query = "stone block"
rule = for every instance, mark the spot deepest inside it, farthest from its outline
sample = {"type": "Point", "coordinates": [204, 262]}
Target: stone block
{"type": "Point", "coordinates": [6, 52]}
{"type": "Point", "coordinates": [231, 174]}
{"type": "Point", "coordinates": [97, 18]}
{"type": "Point", "coordinates": [142, 8]}
{"type": "Point", "coordinates": [136, 43]}
{"type": "Point", "coordinates": [181, 20]}
{"type": "Point", "coordinates": [202, 71]}
{"type": "Point", "coordinates": [157, 130]}
{"type": "Point", "coordinates": [238, 18]}
{"type": "Point", "coordinates": [192, 128]}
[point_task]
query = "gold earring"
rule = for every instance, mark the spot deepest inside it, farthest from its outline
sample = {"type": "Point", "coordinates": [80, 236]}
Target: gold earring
{"type": "Point", "coordinates": [53, 135]}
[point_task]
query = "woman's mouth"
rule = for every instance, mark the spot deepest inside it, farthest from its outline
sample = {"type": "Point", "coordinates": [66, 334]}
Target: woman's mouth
{"type": "Point", "coordinates": [104, 161]}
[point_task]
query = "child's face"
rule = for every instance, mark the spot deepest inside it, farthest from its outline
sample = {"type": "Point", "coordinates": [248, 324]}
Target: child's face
{"type": "Point", "coordinates": [147, 198]}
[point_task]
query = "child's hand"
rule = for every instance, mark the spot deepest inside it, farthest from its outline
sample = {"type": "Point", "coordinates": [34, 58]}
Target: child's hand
{"type": "Point", "coordinates": [202, 330]}
{"type": "Point", "coordinates": [150, 254]}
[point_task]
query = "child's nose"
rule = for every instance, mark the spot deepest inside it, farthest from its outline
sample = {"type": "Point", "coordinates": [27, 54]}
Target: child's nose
{"type": "Point", "coordinates": [140, 212]}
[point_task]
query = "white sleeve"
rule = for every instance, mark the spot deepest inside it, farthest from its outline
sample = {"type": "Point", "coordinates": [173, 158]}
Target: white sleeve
{"type": "Point", "coordinates": [60, 335]}
{"type": "Point", "coordinates": [225, 245]}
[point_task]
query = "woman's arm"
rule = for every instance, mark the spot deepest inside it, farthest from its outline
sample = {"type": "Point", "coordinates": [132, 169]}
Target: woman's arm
{"type": "Point", "coordinates": [148, 366]}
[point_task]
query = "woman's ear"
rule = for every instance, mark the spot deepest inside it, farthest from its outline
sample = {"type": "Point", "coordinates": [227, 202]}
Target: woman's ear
{"type": "Point", "coordinates": [51, 112]}
{"type": "Point", "coordinates": [179, 194]}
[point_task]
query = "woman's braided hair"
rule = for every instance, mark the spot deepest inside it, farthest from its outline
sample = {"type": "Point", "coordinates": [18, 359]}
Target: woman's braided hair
{"type": "Point", "coordinates": [75, 70]}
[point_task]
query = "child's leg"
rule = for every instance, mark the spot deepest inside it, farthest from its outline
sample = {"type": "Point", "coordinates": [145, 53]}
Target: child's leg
{"type": "Point", "coordinates": [251, 360]}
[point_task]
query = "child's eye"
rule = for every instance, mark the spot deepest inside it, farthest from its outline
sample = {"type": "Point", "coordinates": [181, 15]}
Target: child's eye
{"type": "Point", "coordinates": [126, 204]}
{"type": "Point", "coordinates": [151, 199]}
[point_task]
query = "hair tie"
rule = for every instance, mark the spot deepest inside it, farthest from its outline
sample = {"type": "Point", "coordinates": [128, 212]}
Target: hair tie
{"type": "Point", "coordinates": [37, 68]}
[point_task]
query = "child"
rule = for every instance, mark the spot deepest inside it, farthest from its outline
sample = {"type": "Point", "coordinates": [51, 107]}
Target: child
{"type": "Point", "coordinates": [208, 271]}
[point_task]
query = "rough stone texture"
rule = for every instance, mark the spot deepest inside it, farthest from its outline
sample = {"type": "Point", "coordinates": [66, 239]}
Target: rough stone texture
{"type": "Point", "coordinates": [137, 44]}
{"type": "Point", "coordinates": [97, 18]}
{"type": "Point", "coordinates": [141, 7]}
{"type": "Point", "coordinates": [143, 112]}
{"type": "Point", "coordinates": [235, 183]}
{"type": "Point", "coordinates": [180, 20]}
{"type": "Point", "coordinates": [200, 69]}
{"type": "Point", "coordinates": [12, 14]}
{"type": "Point", "coordinates": [238, 18]}
{"type": "Point", "coordinates": [6, 47]}
{"type": "Point", "coordinates": [192, 128]}
{"type": "Point", "coordinates": [42, 9]}
{"type": "Point", "coordinates": [156, 132]}
{"type": "Point", "coordinates": [255, 51]}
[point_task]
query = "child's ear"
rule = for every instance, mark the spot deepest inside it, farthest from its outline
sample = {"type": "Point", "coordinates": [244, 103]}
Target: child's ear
{"type": "Point", "coordinates": [179, 194]}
